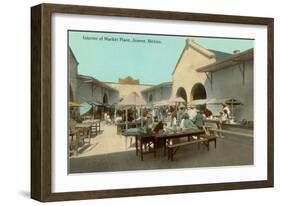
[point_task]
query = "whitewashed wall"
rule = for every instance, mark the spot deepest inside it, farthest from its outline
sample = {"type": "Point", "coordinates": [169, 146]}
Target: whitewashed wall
{"type": "Point", "coordinates": [229, 83]}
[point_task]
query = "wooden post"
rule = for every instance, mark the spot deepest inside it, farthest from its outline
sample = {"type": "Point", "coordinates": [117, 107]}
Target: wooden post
{"type": "Point", "coordinates": [77, 138]}
{"type": "Point", "coordinates": [126, 119]}
{"type": "Point", "coordinates": [141, 116]}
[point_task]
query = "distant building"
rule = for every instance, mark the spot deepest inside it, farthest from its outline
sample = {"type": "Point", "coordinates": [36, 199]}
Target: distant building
{"type": "Point", "coordinates": [128, 80]}
{"type": "Point", "coordinates": [91, 89]}
{"type": "Point", "coordinates": [157, 93]}
{"type": "Point", "coordinates": [201, 73]}
{"type": "Point", "coordinates": [73, 70]}
{"type": "Point", "coordinates": [85, 88]}
{"type": "Point", "coordinates": [128, 85]}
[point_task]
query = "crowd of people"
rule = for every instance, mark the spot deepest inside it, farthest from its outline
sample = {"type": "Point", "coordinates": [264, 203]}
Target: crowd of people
{"type": "Point", "coordinates": [190, 117]}
{"type": "Point", "coordinates": [180, 116]}
{"type": "Point", "coordinates": [187, 118]}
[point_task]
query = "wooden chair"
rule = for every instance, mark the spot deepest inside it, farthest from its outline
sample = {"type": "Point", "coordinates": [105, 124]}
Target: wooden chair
{"type": "Point", "coordinates": [74, 139]}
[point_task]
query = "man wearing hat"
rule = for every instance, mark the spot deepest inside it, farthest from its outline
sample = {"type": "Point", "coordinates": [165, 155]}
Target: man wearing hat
{"type": "Point", "coordinates": [192, 112]}
{"type": "Point", "coordinates": [198, 120]}
{"type": "Point", "coordinates": [187, 123]}
{"type": "Point", "coordinates": [180, 113]}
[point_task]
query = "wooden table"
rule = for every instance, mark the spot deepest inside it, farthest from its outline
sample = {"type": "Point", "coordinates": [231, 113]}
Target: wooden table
{"type": "Point", "coordinates": [121, 127]}
{"type": "Point", "coordinates": [75, 138]}
{"type": "Point", "coordinates": [170, 135]}
{"type": "Point", "coordinates": [145, 144]}
{"type": "Point", "coordinates": [143, 140]}
{"type": "Point", "coordinates": [218, 123]}
{"type": "Point", "coordinates": [85, 128]}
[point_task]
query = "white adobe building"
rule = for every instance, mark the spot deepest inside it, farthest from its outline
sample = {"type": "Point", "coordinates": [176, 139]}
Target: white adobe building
{"type": "Point", "coordinates": [201, 73]}
{"type": "Point", "coordinates": [157, 93]}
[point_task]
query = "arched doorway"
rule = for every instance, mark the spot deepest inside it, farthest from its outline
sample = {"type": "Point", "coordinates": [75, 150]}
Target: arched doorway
{"type": "Point", "coordinates": [71, 97]}
{"type": "Point", "coordinates": [182, 93]}
{"type": "Point", "coordinates": [150, 98]}
{"type": "Point", "coordinates": [105, 99]}
{"type": "Point", "coordinates": [198, 91]}
{"type": "Point", "coordinates": [105, 108]}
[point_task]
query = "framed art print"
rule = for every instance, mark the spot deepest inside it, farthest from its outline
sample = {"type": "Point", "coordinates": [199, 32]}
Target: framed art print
{"type": "Point", "coordinates": [130, 102]}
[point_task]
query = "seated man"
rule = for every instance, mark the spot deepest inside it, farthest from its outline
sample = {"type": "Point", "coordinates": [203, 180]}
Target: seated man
{"type": "Point", "coordinates": [198, 120]}
{"type": "Point", "coordinates": [186, 123]}
{"type": "Point", "coordinates": [192, 112]}
{"type": "Point", "coordinates": [158, 127]}
{"type": "Point", "coordinates": [154, 123]}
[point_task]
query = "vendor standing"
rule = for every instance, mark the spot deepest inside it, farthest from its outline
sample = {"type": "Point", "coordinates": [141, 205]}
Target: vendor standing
{"type": "Point", "coordinates": [173, 122]}
{"type": "Point", "coordinates": [225, 112]}
{"type": "Point", "coordinates": [180, 113]}
{"type": "Point", "coordinates": [207, 113]}
{"type": "Point", "coordinates": [192, 112]}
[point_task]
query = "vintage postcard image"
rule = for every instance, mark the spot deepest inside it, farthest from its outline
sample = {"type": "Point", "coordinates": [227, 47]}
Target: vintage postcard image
{"type": "Point", "coordinates": [149, 102]}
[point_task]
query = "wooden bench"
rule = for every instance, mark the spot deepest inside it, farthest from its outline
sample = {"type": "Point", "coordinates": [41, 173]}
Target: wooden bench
{"type": "Point", "coordinates": [210, 135]}
{"type": "Point", "coordinates": [209, 138]}
{"type": "Point", "coordinates": [242, 134]}
{"type": "Point", "coordinates": [172, 149]}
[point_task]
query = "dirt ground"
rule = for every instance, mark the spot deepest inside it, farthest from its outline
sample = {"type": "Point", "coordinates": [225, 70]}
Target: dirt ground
{"type": "Point", "coordinates": [111, 152]}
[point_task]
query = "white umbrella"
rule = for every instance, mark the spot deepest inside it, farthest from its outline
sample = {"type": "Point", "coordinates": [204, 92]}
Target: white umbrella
{"type": "Point", "coordinates": [198, 102]}
{"type": "Point", "coordinates": [133, 99]}
{"type": "Point", "coordinates": [233, 102]}
{"type": "Point", "coordinates": [161, 103]}
{"type": "Point", "coordinates": [175, 100]}
{"type": "Point", "coordinates": [217, 101]}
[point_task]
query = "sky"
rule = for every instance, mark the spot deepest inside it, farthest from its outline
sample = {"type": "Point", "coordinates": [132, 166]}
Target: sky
{"type": "Point", "coordinates": [149, 58]}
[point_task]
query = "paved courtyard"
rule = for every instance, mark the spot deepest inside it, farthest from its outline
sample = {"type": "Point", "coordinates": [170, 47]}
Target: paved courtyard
{"type": "Point", "coordinates": [109, 152]}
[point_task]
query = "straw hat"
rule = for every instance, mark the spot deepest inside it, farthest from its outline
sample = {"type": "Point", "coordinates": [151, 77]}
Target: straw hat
{"type": "Point", "coordinates": [192, 106]}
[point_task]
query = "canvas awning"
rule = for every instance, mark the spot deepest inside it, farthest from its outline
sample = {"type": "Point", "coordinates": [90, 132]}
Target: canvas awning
{"type": "Point", "coordinates": [133, 99]}
{"type": "Point", "coordinates": [216, 101]}
{"type": "Point", "coordinates": [84, 108]}
{"type": "Point", "coordinates": [74, 104]}
{"type": "Point", "coordinates": [198, 102]}
{"type": "Point", "coordinates": [96, 103]}
{"type": "Point", "coordinates": [229, 101]}
{"type": "Point", "coordinates": [161, 103]}
{"type": "Point", "coordinates": [175, 100]}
